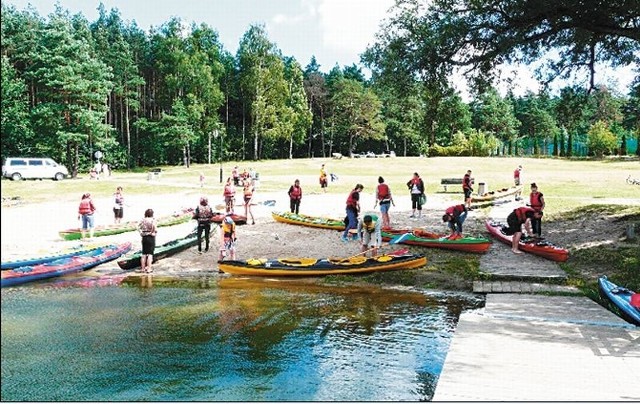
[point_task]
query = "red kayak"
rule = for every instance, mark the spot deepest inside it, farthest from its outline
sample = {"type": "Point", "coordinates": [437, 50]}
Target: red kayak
{"type": "Point", "coordinates": [424, 238]}
{"type": "Point", "coordinates": [218, 217]}
{"type": "Point", "coordinates": [542, 248]}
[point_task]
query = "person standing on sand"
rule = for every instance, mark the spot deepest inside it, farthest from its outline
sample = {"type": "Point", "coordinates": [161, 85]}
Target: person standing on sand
{"type": "Point", "coordinates": [295, 196]}
{"type": "Point", "coordinates": [370, 232]}
{"type": "Point", "coordinates": [118, 206]}
{"type": "Point", "coordinates": [148, 230]}
{"type": "Point", "coordinates": [248, 191]}
{"type": "Point", "coordinates": [536, 201]}
{"type": "Point", "coordinates": [229, 194]}
{"type": "Point", "coordinates": [323, 178]}
{"type": "Point", "coordinates": [516, 181]}
{"type": "Point", "coordinates": [384, 198]}
{"type": "Point", "coordinates": [416, 188]}
{"type": "Point", "coordinates": [515, 221]}
{"type": "Point", "coordinates": [352, 210]}
{"type": "Point", "coordinates": [467, 188]}
{"type": "Point", "coordinates": [228, 239]}
{"type": "Point", "coordinates": [201, 180]}
{"type": "Point", "coordinates": [85, 212]}
{"type": "Point", "coordinates": [455, 217]}
{"type": "Point", "coordinates": [236, 176]}
{"type": "Point", "coordinates": [203, 215]}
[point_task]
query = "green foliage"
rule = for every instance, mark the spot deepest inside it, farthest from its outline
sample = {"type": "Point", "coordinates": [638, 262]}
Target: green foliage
{"type": "Point", "coordinates": [601, 140]}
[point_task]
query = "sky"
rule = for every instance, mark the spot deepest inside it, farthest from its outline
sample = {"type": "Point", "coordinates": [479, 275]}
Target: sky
{"type": "Point", "coordinates": [334, 31]}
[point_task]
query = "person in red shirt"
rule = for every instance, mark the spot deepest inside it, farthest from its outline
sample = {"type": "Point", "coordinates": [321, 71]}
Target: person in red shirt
{"type": "Point", "coordinates": [384, 198]}
{"type": "Point", "coordinates": [455, 216]}
{"type": "Point", "coordinates": [516, 181]}
{"type": "Point", "coordinates": [515, 220]}
{"type": "Point", "coordinates": [295, 195]}
{"type": "Point", "coordinates": [352, 209]}
{"type": "Point", "coordinates": [467, 189]}
{"type": "Point", "coordinates": [85, 212]}
{"type": "Point", "coordinates": [536, 201]}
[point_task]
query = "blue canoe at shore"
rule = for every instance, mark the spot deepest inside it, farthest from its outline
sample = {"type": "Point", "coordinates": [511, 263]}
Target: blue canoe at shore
{"type": "Point", "coordinates": [23, 262]}
{"type": "Point", "coordinates": [63, 266]}
{"type": "Point", "coordinates": [621, 298]}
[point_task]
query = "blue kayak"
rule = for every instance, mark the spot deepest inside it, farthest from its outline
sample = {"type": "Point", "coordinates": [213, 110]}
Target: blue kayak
{"type": "Point", "coordinates": [621, 298]}
{"type": "Point", "coordinates": [48, 258]}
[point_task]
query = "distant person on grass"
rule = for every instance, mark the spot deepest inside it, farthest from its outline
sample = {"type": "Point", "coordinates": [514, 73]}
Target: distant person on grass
{"type": "Point", "coordinates": [203, 215]}
{"type": "Point", "coordinates": [384, 198]}
{"type": "Point", "coordinates": [516, 181]}
{"type": "Point", "coordinates": [370, 233]}
{"type": "Point", "coordinates": [467, 188]}
{"type": "Point", "coordinates": [295, 196]}
{"type": "Point", "coordinates": [516, 219]}
{"type": "Point", "coordinates": [455, 217]}
{"type": "Point", "coordinates": [323, 178]}
{"type": "Point", "coordinates": [86, 209]}
{"type": "Point", "coordinates": [352, 210]}
{"type": "Point", "coordinates": [118, 205]}
{"type": "Point", "coordinates": [416, 189]}
{"type": "Point", "coordinates": [148, 230]}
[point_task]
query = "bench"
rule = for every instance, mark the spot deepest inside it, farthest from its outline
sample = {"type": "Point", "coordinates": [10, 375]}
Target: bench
{"type": "Point", "coordinates": [452, 181]}
{"type": "Point", "coordinates": [154, 174]}
{"type": "Point", "coordinates": [337, 156]}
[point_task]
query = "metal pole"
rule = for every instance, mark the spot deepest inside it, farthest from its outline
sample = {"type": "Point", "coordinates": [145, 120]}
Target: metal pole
{"type": "Point", "coordinates": [220, 156]}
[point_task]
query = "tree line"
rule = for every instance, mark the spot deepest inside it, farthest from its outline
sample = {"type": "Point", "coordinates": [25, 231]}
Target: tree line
{"type": "Point", "coordinates": [174, 95]}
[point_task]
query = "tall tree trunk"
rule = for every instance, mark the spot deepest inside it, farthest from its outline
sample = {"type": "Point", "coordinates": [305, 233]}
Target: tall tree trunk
{"type": "Point", "coordinates": [127, 132]}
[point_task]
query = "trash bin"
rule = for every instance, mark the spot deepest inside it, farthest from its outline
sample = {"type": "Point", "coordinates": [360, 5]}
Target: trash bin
{"type": "Point", "coordinates": [482, 188]}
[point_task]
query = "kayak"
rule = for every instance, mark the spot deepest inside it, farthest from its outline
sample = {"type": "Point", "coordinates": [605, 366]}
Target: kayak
{"type": "Point", "coordinates": [541, 248]}
{"type": "Point", "coordinates": [492, 195]}
{"type": "Point", "coordinates": [218, 217]}
{"type": "Point", "coordinates": [621, 298]}
{"type": "Point", "coordinates": [424, 238]}
{"type": "Point", "coordinates": [311, 221]}
{"type": "Point", "coordinates": [396, 260]}
{"type": "Point", "coordinates": [81, 249]}
{"type": "Point", "coordinates": [64, 266]}
{"type": "Point", "coordinates": [182, 216]}
{"type": "Point", "coordinates": [165, 250]}
{"type": "Point", "coordinates": [268, 202]}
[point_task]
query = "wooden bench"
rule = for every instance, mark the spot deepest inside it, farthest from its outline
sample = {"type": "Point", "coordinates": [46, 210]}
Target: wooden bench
{"type": "Point", "coordinates": [452, 181]}
{"type": "Point", "coordinates": [337, 156]}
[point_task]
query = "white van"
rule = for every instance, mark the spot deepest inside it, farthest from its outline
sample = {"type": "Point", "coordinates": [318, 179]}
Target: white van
{"type": "Point", "coordinates": [18, 168]}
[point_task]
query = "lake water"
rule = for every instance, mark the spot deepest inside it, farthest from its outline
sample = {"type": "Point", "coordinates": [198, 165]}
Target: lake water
{"type": "Point", "coordinates": [224, 339]}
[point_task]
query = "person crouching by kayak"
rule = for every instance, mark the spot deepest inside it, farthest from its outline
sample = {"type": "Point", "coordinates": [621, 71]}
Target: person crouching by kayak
{"type": "Point", "coordinates": [515, 220]}
{"type": "Point", "coordinates": [352, 209]}
{"type": "Point", "coordinates": [455, 217]}
{"type": "Point", "coordinates": [295, 195]}
{"type": "Point", "coordinates": [536, 201]}
{"type": "Point", "coordinates": [227, 239]}
{"type": "Point", "coordinates": [370, 233]}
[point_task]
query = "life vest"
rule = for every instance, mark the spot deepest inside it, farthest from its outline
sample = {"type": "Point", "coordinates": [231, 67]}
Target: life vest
{"type": "Point", "coordinates": [228, 229]}
{"type": "Point", "coordinates": [383, 192]}
{"type": "Point", "coordinates": [86, 207]}
{"type": "Point", "coordinates": [229, 190]}
{"type": "Point", "coordinates": [455, 211]}
{"type": "Point", "coordinates": [516, 173]}
{"type": "Point", "coordinates": [146, 227]}
{"type": "Point", "coordinates": [323, 174]}
{"type": "Point", "coordinates": [119, 200]}
{"type": "Point", "coordinates": [535, 200]}
{"type": "Point", "coordinates": [521, 213]}
{"type": "Point", "coordinates": [248, 191]}
{"type": "Point", "coordinates": [351, 200]}
{"type": "Point", "coordinates": [234, 173]}
{"type": "Point", "coordinates": [204, 214]}
{"type": "Point", "coordinates": [296, 192]}
{"type": "Point", "coordinates": [370, 228]}
{"type": "Point", "coordinates": [466, 182]}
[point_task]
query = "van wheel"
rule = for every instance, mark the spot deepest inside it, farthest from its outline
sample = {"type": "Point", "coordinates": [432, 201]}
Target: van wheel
{"type": "Point", "coordinates": [59, 177]}
{"type": "Point", "coordinates": [16, 176]}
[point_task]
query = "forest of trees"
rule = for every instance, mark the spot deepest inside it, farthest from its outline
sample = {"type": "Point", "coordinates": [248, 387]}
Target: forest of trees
{"type": "Point", "coordinates": [174, 95]}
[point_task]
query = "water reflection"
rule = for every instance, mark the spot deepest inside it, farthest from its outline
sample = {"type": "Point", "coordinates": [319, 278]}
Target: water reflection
{"type": "Point", "coordinates": [225, 339]}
